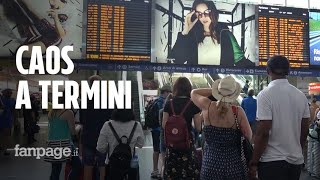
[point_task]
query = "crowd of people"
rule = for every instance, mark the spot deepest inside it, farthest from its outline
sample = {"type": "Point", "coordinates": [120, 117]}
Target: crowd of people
{"type": "Point", "coordinates": [275, 125]}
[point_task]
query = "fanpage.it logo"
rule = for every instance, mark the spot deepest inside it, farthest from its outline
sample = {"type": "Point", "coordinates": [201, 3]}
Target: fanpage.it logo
{"type": "Point", "coordinates": [40, 152]}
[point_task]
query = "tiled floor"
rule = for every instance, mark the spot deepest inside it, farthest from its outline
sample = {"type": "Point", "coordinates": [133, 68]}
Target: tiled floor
{"type": "Point", "coordinates": [18, 168]}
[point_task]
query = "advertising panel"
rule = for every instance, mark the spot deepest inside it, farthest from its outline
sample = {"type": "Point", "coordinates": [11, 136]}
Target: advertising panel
{"type": "Point", "coordinates": [205, 33]}
{"type": "Point", "coordinates": [41, 23]}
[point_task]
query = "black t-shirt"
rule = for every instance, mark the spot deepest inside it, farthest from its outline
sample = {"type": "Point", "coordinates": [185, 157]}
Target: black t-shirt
{"type": "Point", "coordinates": [178, 104]}
{"type": "Point", "coordinates": [92, 121]}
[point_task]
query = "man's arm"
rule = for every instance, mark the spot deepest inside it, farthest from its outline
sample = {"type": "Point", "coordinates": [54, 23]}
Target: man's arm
{"type": "Point", "coordinates": [264, 116]}
{"type": "Point", "coordinates": [304, 131]}
{"type": "Point", "coordinates": [305, 124]}
{"type": "Point", "coordinates": [261, 140]}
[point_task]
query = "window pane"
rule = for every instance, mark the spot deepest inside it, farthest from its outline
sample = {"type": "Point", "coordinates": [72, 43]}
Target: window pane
{"type": "Point", "coordinates": [299, 4]}
{"type": "Point", "coordinates": [227, 1]}
{"type": "Point", "coordinates": [274, 2]}
{"type": "Point", "coordinates": [314, 4]}
{"type": "Point", "coordinates": [250, 1]}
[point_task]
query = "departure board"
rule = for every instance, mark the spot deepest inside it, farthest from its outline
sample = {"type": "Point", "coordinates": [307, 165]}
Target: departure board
{"type": "Point", "coordinates": [118, 30]}
{"type": "Point", "coordinates": [283, 31]}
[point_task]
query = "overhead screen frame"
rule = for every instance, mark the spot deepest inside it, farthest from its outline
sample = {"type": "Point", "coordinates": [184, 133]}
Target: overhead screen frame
{"type": "Point", "coordinates": [307, 35]}
{"type": "Point", "coordinates": [84, 41]}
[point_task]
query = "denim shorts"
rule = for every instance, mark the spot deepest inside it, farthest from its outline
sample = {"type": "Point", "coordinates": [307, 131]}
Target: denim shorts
{"type": "Point", "coordinates": [156, 141]}
{"type": "Point", "coordinates": [162, 143]}
{"type": "Point", "coordinates": [89, 157]}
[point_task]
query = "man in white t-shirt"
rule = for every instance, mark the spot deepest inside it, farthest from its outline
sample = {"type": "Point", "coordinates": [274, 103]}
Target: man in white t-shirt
{"type": "Point", "coordinates": [283, 115]}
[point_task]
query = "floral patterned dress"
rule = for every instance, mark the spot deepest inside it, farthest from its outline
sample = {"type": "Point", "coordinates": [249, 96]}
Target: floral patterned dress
{"type": "Point", "coordinates": [181, 165]}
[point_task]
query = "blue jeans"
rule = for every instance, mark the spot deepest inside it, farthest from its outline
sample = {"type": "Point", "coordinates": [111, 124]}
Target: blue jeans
{"type": "Point", "coordinates": [55, 171]}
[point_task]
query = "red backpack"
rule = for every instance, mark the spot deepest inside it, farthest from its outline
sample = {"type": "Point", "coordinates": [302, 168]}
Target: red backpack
{"type": "Point", "coordinates": [176, 132]}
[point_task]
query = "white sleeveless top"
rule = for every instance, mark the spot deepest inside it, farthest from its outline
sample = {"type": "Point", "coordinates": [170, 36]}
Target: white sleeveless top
{"type": "Point", "coordinates": [209, 52]}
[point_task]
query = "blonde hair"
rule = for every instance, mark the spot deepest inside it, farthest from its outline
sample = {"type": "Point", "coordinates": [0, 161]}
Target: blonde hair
{"type": "Point", "coordinates": [53, 113]}
{"type": "Point", "coordinates": [222, 108]}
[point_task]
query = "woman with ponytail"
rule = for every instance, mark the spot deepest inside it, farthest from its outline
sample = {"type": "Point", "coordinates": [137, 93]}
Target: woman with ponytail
{"type": "Point", "coordinates": [224, 124]}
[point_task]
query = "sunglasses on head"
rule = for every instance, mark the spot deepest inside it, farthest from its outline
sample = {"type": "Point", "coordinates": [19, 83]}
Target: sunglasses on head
{"type": "Point", "coordinates": [206, 13]}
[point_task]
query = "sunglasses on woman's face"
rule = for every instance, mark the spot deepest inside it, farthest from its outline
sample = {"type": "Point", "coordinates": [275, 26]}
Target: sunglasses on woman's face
{"type": "Point", "coordinates": [206, 13]}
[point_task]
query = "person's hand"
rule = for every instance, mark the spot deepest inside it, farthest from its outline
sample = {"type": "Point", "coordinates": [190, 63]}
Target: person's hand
{"type": "Point", "coordinates": [253, 172]}
{"type": "Point", "coordinates": [52, 13]}
{"type": "Point", "coordinates": [53, 3]}
{"type": "Point", "coordinates": [188, 23]}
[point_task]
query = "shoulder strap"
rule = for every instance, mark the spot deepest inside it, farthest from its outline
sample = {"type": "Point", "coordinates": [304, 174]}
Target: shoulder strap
{"type": "Point", "coordinates": [235, 112]}
{"type": "Point", "coordinates": [172, 109]}
{"type": "Point", "coordinates": [114, 133]}
{"type": "Point", "coordinates": [185, 108]}
{"type": "Point", "coordinates": [75, 112]}
{"type": "Point", "coordinates": [62, 112]}
{"type": "Point", "coordinates": [132, 132]}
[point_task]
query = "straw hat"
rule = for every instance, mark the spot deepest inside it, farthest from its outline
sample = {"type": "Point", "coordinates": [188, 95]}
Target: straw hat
{"type": "Point", "coordinates": [226, 89]}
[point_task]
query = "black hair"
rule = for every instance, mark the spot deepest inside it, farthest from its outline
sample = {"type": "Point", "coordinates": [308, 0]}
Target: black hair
{"type": "Point", "coordinates": [164, 91]}
{"type": "Point", "coordinates": [214, 16]}
{"type": "Point", "coordinates": [123, 115]}
{"type": "Point", "coordinates": [251, 92]}
{"type": "Point", "coordinates": [182, 87]}
{"type": "Point", "coordinates": [278, 65]}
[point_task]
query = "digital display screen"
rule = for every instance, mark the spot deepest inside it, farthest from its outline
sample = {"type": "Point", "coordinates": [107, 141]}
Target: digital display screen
{"type": "Point", "coordinates": [283, 31]}
{"type": "Point", "coordinates": [210, 33]}
{"type": "Point", "coordinates": [314, 37]}
{"type": "Point", "coordinates": [40, 23]}
{"type": "Point", "coordinates": [118, 30]}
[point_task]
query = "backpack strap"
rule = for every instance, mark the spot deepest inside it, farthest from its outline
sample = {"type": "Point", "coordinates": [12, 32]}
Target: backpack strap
{"type": "Point", "coordinates": [114, 133]}
{"type": "Point", "coordinates": [62, 112]}
{"type": "Point", "coordinates": [172, 109]}
{"type": "Point", "coordinates": [132, 132]}
{"type": "Point", "coordinates": [185, 108]}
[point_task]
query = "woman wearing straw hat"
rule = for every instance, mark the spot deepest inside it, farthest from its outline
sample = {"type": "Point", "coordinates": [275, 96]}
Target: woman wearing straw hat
{"type": "Point", "coordinates": [222, 159]}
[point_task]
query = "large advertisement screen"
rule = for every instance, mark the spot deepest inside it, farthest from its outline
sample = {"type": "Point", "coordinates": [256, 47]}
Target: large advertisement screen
{"type": "Point", "coordinates": [284, 31]}
{"type": "Point", "coordinates": [40, 23]}
{"type": "Point", "coordinates": [314, 38]}
{"type": "Point", "coordinates": [118, 30]}
{"type": "Point", "coordinates": [205, 33]}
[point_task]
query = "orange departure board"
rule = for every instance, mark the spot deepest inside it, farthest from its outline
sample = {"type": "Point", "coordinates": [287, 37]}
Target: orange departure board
{"type": "Point", "coordinates": [118, 30]}
{"type": "Point", "coordinates": [283, 31]}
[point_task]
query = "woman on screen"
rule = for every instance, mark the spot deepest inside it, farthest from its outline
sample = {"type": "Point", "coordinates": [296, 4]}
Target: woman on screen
{"type": "Point", "coordinates": [205, 41]}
